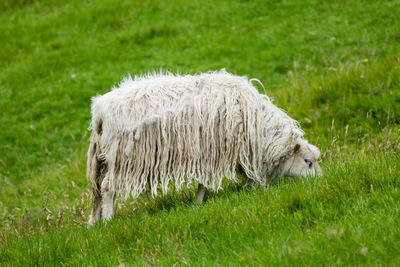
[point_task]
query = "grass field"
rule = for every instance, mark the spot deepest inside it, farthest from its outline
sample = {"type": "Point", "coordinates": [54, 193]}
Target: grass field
{"type": "Point", "coordinates": [332, 65]}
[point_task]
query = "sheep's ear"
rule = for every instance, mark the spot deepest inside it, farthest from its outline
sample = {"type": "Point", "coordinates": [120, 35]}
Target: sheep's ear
{"type": "Point", "coordinates": [296, 148]}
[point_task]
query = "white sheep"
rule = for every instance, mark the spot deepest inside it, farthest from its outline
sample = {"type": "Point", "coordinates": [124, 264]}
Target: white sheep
{"type": "Point", "coordinates": [164, 128]}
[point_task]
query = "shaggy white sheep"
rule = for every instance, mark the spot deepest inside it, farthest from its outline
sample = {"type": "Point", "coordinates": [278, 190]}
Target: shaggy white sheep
{"type": "Point", "coordinates": [158, 129]}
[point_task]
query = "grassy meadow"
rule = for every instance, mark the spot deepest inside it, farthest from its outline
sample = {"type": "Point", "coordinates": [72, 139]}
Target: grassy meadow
{"type": "Point", "coordinates": [332, 65]}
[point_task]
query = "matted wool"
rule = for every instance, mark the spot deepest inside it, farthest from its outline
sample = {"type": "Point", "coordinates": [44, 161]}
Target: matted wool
{"type": "Point", "coordinates": [162, 128]}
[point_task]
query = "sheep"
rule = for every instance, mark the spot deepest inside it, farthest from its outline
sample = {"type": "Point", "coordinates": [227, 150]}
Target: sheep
{"type": "Point", "coordinates": [158, 129]}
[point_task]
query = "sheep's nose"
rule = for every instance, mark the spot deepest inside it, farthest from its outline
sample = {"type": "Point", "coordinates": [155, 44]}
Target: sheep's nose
{"type": "Point", "coordinates": [309, 162]}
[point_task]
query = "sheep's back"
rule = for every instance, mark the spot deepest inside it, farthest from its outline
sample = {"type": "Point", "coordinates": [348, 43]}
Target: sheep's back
{"type": "Point", "coordinates": [136, 102]}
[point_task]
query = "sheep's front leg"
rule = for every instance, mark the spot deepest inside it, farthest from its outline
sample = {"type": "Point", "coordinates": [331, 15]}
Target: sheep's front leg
{"type": "Point", "coordinates": [200, 193]}
{"type": "Point", "coordinates": [107, 205]}
{"type": "Point", "coordinates": [250, 184]}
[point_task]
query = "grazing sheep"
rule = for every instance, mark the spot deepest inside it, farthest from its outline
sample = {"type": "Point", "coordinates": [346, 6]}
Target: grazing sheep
{"type": "Point", "coordinates": [158, 129]}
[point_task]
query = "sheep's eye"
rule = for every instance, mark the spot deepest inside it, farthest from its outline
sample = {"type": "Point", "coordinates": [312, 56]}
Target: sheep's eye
{"type": "Point", "coordinates": [308, 162]}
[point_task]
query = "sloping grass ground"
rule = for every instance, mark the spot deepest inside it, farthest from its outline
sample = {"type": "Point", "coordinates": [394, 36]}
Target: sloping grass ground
{"type": "Point", "coordinates": [335, 67]}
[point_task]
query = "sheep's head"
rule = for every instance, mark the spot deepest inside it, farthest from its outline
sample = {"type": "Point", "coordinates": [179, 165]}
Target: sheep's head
{"type": "Point", "coordinates": [303, 161]}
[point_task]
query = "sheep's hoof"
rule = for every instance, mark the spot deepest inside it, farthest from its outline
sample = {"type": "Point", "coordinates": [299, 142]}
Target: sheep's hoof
{"type": "Point", "coordinates": [91, 221]}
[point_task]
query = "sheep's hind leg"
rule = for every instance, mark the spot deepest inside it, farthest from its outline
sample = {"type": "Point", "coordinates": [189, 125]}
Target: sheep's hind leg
{"type": "Point", "coordinates": [200, 193]}
{"type": "Point", "coordinates": [95, 216]}
{"type": "Point", "coordinates": [107, 206]}
{"type": "Point", "coordinates": [96, 211]}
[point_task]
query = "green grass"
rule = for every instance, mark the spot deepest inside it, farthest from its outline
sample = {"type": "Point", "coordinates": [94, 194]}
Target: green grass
{"type": "Point", "coordinates": [334, 66]}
